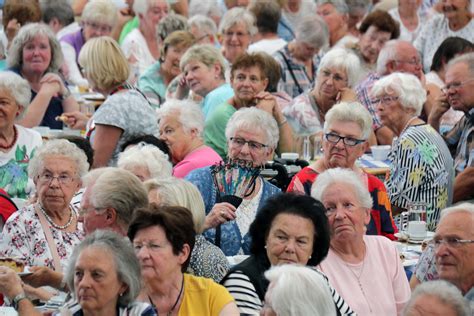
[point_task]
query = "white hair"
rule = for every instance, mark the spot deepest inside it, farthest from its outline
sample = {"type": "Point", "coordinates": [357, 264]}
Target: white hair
{"type": "Point", "coordinates": [312, 30]}
{"type": "Point", "coordinates": [203, 24]}
{"type": "Point", "coordinates": [237, 15]}
{"type": "Point", "coordinates": [340, 5]}
{"type": "Point", "coordinates": [463, 207]}
{"type": "Point", "coordinates": [467, 59]}
{"type": "Point", "coordinates": [299, 290]}
{"type": "Point", "coordinates": [337, 176]}
{"type": "Point", "coordinates": [148, 156]}
{"type": "Point", "coordinates": [344, 59]}
{"type": "Point", "coordinates": [190, 114]}
{"type": "Point", "coordinates": [349, 112]}
{"type": "Point", "coordinates": [409, 89]}
{"type": "Point", "coordinates": [101, 11]}
{"type": "Point", "coordinates": [141, 6]}
{"type": "Point", "coordinates": [18, 87]}
{"type": "Point", "coordinates": [445, 292]}
{"type": "Point", "coordinates": [204, 8]}
{"type": "Point", "coordinates": [387, 54]}
{"type": "Point", "coordinates": [252, 119]}
{"type": "Point", "coordinates": [180, 192]}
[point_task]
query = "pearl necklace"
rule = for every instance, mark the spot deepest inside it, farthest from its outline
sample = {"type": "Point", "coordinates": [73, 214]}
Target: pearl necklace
{"type": "Point", "coordinates": [408, 124]}
{"type": "Point", "coordinates": [50, 220]}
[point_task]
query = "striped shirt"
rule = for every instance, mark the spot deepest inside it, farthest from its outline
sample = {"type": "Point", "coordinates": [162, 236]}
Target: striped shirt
{"type": "Point", "coordinates": [241, 288]}
{"type": "Point", "coordinates": [421, 170]}
{"type": "Point", "coordinates": [460, 140]}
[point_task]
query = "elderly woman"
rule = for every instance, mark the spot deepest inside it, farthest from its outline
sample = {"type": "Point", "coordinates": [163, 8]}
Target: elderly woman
{"type": "Point", "coordinates": [297, 290]}
{"type": "Point", "coordinates": [207, 260]}
{"type": "Point", "coordinates": [410, 19]}
{"type": "Point", "coordinates": [289, 229]}
{"type": "Point", "coordinates": [45, 233]}
{"type": "Point", "coordinates": [141, 46]}
{"type": "Point", "coordinates": [337, 74]}
{"type": "Point", "coordinates": [154, 81]}
{"type": "Point", "coordinates": [202, 27]}
{"type": "Point", "coordinates": [203, 68]}
{"type": "Point", "coordinates": [237, 28]}
{"type": "Point", "coordinates": [103, 275]}
{"type": "Point", "coordinates": [456, 20]}
{"type": "Point", "coordinates": [336, 15]}
{"type": "Point", "coordinates": [125, 112]}
{"type": "Point", "coordinates": [163, 238]}
{"type": "Point", "coordinates": [299, 59]}
{"type": "Point", "coordinates": [35, 55]}
{"type": "Point", "coordinates": [252, 136]}
{"type": "Point", "coordinates": [355, 260]}
{"type": "Point", "coordinates": [17, 143]}
{"type": "Point", "coordinates": [181, 127]}
{"type": "Point", "coordinates": [146, 162]}
{"type": "Point", "coordinates": [421, 167]}
{"type": "Point", "coordinates": [346, 132]}
{"type": "Point", "coordinates": [97, 19]}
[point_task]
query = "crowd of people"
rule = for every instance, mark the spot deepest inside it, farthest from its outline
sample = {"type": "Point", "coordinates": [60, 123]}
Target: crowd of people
{"type": "Point", "coordinates": [160, 205]}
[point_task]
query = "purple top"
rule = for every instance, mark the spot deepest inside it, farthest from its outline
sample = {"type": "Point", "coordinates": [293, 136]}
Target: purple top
{"type": "Point", "coordinates": [76, 40]}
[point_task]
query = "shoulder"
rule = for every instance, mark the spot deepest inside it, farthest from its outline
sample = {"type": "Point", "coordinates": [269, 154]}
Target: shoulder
{"type": "Point", "coordinates": [33, 137]}
{"type": "Point", "coordinates": [237, 280]}
{"type": "Point", "coordinates": [380, 244]}
{"type": "Point", "coordinates": [200, 284]}
{"type": "Point", "coordinates": [20, 218]}
{"type": "Point", "coordinates": [201, 174]}
{"type": "Point", "coordinates": [138, 309]}
{"type": "Point", "coordinates": [269, 188]}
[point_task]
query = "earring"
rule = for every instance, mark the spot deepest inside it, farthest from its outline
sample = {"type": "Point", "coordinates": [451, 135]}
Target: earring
{"type": "Point", "coordinates": [309, 257]}
{"type": "Point", "coordinates": [265, 247]}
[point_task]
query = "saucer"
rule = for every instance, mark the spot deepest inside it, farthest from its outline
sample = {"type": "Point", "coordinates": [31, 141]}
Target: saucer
{"type": "Point", "coordinates": [404, 235]}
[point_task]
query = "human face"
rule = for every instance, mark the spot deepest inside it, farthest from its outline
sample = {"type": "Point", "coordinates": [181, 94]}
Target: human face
{"type": "Point", "coordinates": [347, 218]}
{"type": "Point", "coordinates": [460, 98]}
{"type": "Point", "coordinates": [391, 113]}
{"type": "Point", "coordinates": [155, 253]}
{"type": "Point", "coordinates": [54, 195]}
{"type": "Point", "coordinates": [409, 4]}
{"type": "Point", "coordinates": [290, 239]}
{"type": "Point", "coordinates": [236, 41]}
{"type": "Point", "coordinates": [174, 135]}
{"type": "Point", "coordinates": [332, 17]}
{"type": "Point", "coordinates": [371, 42]}
{"type": "Point", "coordinates": [247, 83]}
{"type": "Point", "coordinates": [36, 55]}
{"type": "Point", "coordinates": [157, 9]}
{"type": "Point", "coordinates": [340, 154]}
{"type": "Point", "coordinates": [202, 79]}
{"type": "Point", "coordinates": [330, 81]}
{"type": "Point", "coordinates": [9, 110]}
{"type": "Point", "coordinates": [171, 59]}
{"type": "Point", "coordinates": [93, 29]}
{"type": "Point", "coordinates": [407, 60]}
{"type": "Point", "coordinates": [453, 9]}
{"type": "Point", "coordinates": [91, 218]}
{"type": "Point", "coordinates": [454, 264]}
{"type": "Point", "coordinates": [430, 305]}
{"type": "Point", "coordinates": [304, 51]}
{"type": "Point", "coordinates": [96, 282]}
{"type": "Point", "coordinates": [258, 157]}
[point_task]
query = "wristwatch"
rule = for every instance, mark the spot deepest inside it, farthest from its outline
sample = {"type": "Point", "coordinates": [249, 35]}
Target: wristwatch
{"type": "Point", "coordinates": [17, 300]}
{"type": "Point", "coordinates": [65, 94]}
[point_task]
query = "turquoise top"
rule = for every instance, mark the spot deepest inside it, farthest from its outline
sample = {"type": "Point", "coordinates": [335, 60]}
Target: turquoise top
{"type": "Point", "coordinates": [217, 96]}
{"type": "Point", "coordinates": [152, 85]}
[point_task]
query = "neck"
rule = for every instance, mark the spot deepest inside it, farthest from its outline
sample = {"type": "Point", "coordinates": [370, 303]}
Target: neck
{"type": "Point", "coordinates": [167, 76]}
{"type": "Point", "coordinates": [408, 13]}
{"type": "Point", "coordinates": [219, 83]}
{"type": "Point", "coordinates": [104, 311]}
{"type": "Point", "coordinates": [164, 287]}
{"type": "Point", "coordinates": [7, 135]}
{"type": "Point", "coordinates": [351, 251]}
{"type": "Point", "coordinates": [336, 36]}
{"type": "Point", "coordinates": [149, 35]}
{"type": "Point", "coordinates": [238, 103]}
{"type": "Point", "coordinates": [33, 78]}
{"type": "Point", "coordinates": [324, 104]}
{"type": "Point", "coordinates": [265, 35]}
{"type": "Point", "coordinates": [408, 121]}
{"type": "Point", "coordinates": [460, 21]}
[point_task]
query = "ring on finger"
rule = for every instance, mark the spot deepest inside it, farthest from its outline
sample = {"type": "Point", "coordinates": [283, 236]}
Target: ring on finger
{"type": "Point", "coordinates": [222, 213]}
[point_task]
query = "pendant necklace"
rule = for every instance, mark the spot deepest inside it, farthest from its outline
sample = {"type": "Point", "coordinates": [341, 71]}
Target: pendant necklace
{"type": "Point", "coordinates": [358, 278]}
{"type": "Point", "coordinates": [175, 303]}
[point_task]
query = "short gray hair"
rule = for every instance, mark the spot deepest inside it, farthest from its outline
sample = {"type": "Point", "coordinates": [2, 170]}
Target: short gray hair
{"type": "Point", "coordinates": [101, 11]}
{"type": "Point", "coordinates": [61, 10]}
{"type": "Point", "coordinates": [190, 114]}
{"type": "Point", "coordinates": [467, 59]}
{"type": "Point", "coordinates": [349, 112]}
{"type": "Point", "coordinates": [251, 119]}
{"type": "Point", "coordinates": [340, 5]}
{"type": "Point", "coordinates": [118, 189]}
{"type": "Point", "coordinates": [141, 6]}
{"type": "Point", "coordinates": [28, 33]}
{"type": "Point", "coordinates": [148, 156]}
{"type": "Point", "coordinates": [339, 175]}
{"type": "Point", "coordinates": [203, 24]}
{"type": "Point", "coordinates": [312, 30]}
{"type": "Point", "coordinates": [238, 15]}
{"type": "Point", "coordinates": [58, 147]}
{"type": "Point", "coordinates": [179, 192]}
{"type": "Point", "coordinates": [204, 8]}
{"type": "Point", "coordinates": [463, 207]}
{"type": "Point", "coordinates": [126, 262]}
{"type": "Point", "coordinates": [18, 87]}
{"type": "Point", "coordinates": [388, 53]}
{"type": "Point", "coordinates": [411, 93]}
{"type": "Point", "coordinates": [171, 23]}
{"type": "Point", "coordinates": [299, 290]}
{"type": "Point", "coordinates": [206, 54]}
{"type": "Point", "coordinates": [344, 59]}
{"type": "Point", "coordinates": [447, 293]}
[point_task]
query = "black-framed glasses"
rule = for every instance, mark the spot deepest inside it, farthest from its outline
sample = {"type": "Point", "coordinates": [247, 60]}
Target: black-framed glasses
{"type": "Point", "coordinates": [349, 141]}
{"type": "Point", "coordinates": [240, 142]}
{"type": "Point", "coordinates": [451, 242]}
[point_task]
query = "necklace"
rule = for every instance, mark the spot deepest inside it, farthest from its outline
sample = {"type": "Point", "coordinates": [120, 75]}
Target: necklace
{"type": "Point", "coordinates": [175, 303]}
{"type": "Point", "coordinates": [15, 136]}
{"type": "Point", "coordinates": [408, 124]}
{"type": "Point", "coordinates": [50, 220]}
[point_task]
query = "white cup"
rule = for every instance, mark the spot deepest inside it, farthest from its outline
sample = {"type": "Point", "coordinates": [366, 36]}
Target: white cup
{"type": "Point", "coordinates": [417, 230]}
{"type": "Point", "coordinates": [380, 152]}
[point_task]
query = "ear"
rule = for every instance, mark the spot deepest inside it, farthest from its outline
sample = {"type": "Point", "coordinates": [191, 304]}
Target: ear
{"type": "Point", "coordinates": [265, 82]}
{"type": "Point", "coordinates": [20, 110]}
{"type": "Point", "coordinates": [193, 132]}
{"type": "Point", "coordinates": [217, 69]}
{"type": "Point", "coordinates": [270, 153]}
{"type": "Point", "coordinates": [184, 253]}
{"type": "Point", "coordinates": [390, 66]}
{"type": "Point", "coordinates": [366, 216]}
{"type": "Point", "coordinates": [110, 215]}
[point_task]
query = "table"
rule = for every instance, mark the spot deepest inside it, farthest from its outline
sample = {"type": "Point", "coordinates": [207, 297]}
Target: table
{"type": "Point", "coordinates": [375, 167]}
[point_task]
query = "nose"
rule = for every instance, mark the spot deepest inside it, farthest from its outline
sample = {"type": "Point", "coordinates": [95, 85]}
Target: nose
{"type": "Point", "coordinates": [85, 280]}
{"type": "Point", "coordinates": [245, 149]}
{"type": "Point", "coordinates": [54, 182]}
{"type": "Point", "coordinates": [441, 250]}
{"type": "Point", "coordinates": [290, 246]}
{"type": "Point", "coordinates": [143, 253]}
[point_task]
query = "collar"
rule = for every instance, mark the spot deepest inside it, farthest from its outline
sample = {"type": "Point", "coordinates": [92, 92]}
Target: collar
{"type": "Point", "coordinates": [470, 115]}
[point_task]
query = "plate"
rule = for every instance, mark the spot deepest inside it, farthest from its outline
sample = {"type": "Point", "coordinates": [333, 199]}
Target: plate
{"type": "Point", "coordinates": [22, 274]}
{"type": "Point", "coordinates": [404, 235]}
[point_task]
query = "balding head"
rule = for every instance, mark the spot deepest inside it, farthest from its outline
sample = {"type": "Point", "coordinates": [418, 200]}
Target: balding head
{"type": "Point", "coordinates": [399, 56]}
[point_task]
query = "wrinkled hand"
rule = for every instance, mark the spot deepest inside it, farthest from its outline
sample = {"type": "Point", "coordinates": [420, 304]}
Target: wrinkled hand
{"type": "Point", "coordinates": [10, 282]}
{"type": "Point", "coordinates": [42, 276]}
{"type": "Point", "coordinates": [346, 95]}
{"type": "Point", "coordinates": [53, 83]}
{"type": "Point", "coordinates": [220, 213]}
{"type": "Point", "coordinates": [183, 89]}
{"type": "Point", "coordinates": [439, 106]}
{"type": "Point", "coordinates": [267, 102]}
{"type": "Point", "coordinates": [76, 120]}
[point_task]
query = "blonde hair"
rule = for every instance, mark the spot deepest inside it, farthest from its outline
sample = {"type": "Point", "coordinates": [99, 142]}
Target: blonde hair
{"type": "Point", "coordinates": [104, 62]}
{"type": "Point", "coordinates": [101, 11]}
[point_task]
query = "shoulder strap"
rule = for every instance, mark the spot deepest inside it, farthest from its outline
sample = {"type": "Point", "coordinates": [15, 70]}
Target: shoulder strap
{"type": "Point", "coordinates": [50, 240]}
{"type": "Point", "coordinates": [300, 90]}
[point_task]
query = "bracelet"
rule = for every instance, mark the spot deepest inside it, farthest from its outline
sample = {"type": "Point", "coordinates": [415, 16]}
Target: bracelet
{"type": "Point", "coordinates": [280, 124]}
{"type": "Point", "coordinates": [65, 94]}
{"type": "Point", "coordinates": [16, 300]}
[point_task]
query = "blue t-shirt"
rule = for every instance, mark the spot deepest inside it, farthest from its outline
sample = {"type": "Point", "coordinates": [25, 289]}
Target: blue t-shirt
{"type": "Point", "coordinates": [216, 97]}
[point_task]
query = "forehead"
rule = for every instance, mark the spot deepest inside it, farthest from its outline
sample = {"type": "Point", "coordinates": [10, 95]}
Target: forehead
{"type": "Point", "coordinates": [459, 223]}
{"type": "Point", "coordinates": [345, 128]}
{"type": "Point", "coordinates": [152, 233]}
{"type": "Point", "coordinates": [256, 135]}
{"type": "Point", "coordinates": [171, 118]}
{"type": "Point", "coordinates": [374, 31]}
{"type": "Point", "coordinates": [59, 164]}
{"type": "Point", "coordinates": [294, 224]}
{"type": "Point", "coordinates": [329, 66]}
{"type": "Point", "coordinates": [252, 70]}
{"type": "Point", "coordinates": [39, 38]}
{"type": "Point", "coordinates": [339, 192]}
{"type": "Point", "coordinates": [237, 27]}
{"type": "Point", "coordinates": [96, 258]}
{"type": "Point", "coordinates": [162, 4]}
{"type": "Point", "coordinates": [407, 50]}
{"type": "Point", "coordinates": [458, 71]}
{"type": "Point", "coordinates": [327, 7]}
{"type": "Point", "coordinates": [5, 93]}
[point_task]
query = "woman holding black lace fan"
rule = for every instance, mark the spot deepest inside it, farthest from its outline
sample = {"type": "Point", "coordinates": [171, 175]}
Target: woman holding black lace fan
{"type": "Point", "coordinates": [252, 136]}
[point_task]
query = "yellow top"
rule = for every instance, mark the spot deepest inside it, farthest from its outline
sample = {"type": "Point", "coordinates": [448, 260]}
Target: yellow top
{"type": "Point", "coordinates": [203, 296]}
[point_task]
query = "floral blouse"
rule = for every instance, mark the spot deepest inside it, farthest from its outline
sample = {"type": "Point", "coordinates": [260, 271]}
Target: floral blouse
{"type": "Point", "coordinates": [23, 237]}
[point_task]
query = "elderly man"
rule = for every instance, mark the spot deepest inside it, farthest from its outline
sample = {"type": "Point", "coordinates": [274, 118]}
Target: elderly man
{"type": "Point", "coordinates": [454, 248]}
{"type": "Point", "coordinates": [396, 56]}
{"type": "Point", "coordinates": [459, 94]}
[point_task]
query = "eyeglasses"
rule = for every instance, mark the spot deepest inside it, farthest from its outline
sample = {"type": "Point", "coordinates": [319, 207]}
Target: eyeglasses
{"type": "Point", "coordinates": [451, 242]}
{"type": "Point", "coordinates": [102, 28]}
{"type": "Point", "coordinates": [349, 141]}
{"type": "Point", "coordinates": [238, 34]}
{"type": "Point", "coordinates": [387, 99]}
{"type": "Point", "coordinates": [242, 78]}
{"type": "Point", "coordinates": [240, 142]}
{"type": "Point", "coordinates": [335, 77]}
{"type": "Point", "coordinates": [83, 211]}
{"type": "Point", "coordinates": [456, 85]}
{"type": "Point", "coordinates": [62, 179]}
{"type": "Point", "coordinates": [414, 61]}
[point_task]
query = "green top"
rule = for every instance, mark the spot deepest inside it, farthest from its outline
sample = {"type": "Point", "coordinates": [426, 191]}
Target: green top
{"type": "Point", "coordinates": [128, 27]}
{"type": "Point", "coordinates": [214, 133]}
{"type": "Point", "coordinates": [152, 85]}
